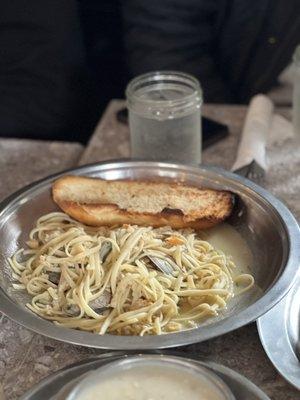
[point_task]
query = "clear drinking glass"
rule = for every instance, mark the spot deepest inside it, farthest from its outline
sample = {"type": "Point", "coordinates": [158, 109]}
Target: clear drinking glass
{"type": "Point", "coordinates": [165, 117]}
{"type": "Point", "coordinates": [296, 95]}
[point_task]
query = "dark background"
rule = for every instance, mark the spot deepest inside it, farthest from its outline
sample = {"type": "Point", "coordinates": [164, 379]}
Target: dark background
{"type": "Point", "coordinates": [61, 61]}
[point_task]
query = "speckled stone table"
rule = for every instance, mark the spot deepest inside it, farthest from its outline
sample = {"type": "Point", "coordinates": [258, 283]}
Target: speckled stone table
{"type": "Point", "coordinates": [24, 161]}
{"type": "Point", "coordinates": [26, 357]}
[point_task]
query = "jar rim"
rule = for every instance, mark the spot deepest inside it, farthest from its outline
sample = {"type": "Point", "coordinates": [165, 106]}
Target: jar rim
{"type": "Point", "coordinates": [157, 76]}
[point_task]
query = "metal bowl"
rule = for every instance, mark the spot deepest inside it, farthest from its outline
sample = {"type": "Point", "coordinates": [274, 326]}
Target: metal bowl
{"type": "Point", "coordinates": [269, 228]}
{"type": "Point", "coordinates": [151, 363]}
{"type": "Point", "coordinates": [58, 385]}
{"type": "Point", "coordinates": [279, 332]}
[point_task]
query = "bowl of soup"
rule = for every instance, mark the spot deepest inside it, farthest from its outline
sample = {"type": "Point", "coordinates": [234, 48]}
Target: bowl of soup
{"type": "Point", "coordinates": [151, 377]}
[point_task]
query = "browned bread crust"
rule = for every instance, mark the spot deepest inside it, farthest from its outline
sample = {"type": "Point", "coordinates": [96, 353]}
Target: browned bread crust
{"type": "Point", "coordinates": [100, 202]}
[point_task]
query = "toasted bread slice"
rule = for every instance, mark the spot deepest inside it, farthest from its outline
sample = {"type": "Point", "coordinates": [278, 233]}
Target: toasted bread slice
{"type": "Point", "coordinates": [99, 202]}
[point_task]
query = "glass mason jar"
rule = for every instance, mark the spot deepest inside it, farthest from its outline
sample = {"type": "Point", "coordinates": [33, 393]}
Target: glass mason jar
{"type": "Point", "coordinates": [296, 95]}
{"type": "Point", "coordinates": [165, 117]}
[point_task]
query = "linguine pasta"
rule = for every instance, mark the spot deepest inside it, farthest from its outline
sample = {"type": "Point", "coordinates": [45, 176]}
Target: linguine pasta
{"type": "Point", "coordinates": [102, 279]}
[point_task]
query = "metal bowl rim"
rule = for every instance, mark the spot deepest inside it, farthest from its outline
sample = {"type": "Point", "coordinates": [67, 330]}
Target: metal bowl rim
{"type": "Point", "coordinates": [251, 313]}
{"type": "Point", "coordinates": [266, 322]}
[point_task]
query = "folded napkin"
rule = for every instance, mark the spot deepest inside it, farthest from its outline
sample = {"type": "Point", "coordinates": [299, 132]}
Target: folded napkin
{"type": "Point", "coordinates": [252, 147]}
{"type": "Point", "coordinates": [262, 129]}
{"type": "Point", "coordinates": [280, 130]}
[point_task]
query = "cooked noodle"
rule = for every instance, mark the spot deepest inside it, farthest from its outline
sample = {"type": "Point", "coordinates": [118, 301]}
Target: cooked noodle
{"type": "Point", "coordinates": [101, 279]}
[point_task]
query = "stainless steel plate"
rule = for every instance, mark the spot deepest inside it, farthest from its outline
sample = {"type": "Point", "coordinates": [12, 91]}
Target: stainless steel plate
{"type": "Point", "coordinates": [59, 384]}
{"type": "Point", "coordinates": [266, 224]}
{"type": "Point", "coordinates": [279, 331]}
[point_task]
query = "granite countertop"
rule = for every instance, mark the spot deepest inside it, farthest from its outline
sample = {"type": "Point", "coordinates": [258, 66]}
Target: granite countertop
{"type": "Point", "coordinates": [26, 357]}
{"type": "Point", "coordinates": [23, 161]}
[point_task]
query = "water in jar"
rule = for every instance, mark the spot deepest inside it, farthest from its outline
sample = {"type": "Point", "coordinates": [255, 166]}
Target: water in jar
{"type": "Point", "coordinates": [163, 133]}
